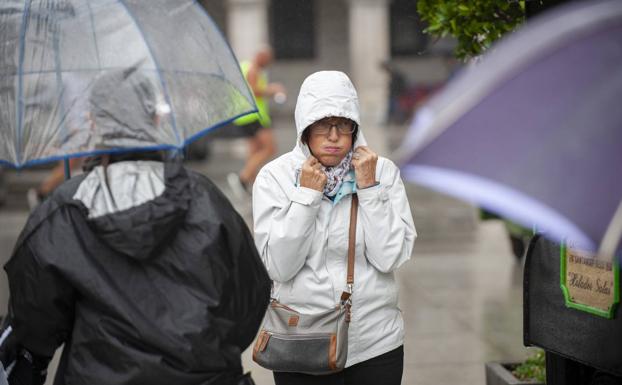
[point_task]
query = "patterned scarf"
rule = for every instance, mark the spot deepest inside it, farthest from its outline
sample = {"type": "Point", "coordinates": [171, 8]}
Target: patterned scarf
{"type": "Point", "coordinates": [336, 174]}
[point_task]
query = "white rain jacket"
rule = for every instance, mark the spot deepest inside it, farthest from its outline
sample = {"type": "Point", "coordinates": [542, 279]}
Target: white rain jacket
{"type": "Point", "coordinates": [302, 236]}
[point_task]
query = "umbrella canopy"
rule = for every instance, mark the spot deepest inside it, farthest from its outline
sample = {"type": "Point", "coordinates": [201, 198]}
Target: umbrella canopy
{"type": "Point", "coordinates": [52, 52]}
{"type": "Point", "coordinates": [534, 131]}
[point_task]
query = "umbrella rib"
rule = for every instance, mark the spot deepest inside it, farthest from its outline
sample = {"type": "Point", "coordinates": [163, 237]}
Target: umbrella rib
{"type": "Point", "coordinates": [215, 126]}
{"type": "Point", "coordinates": [239, 69]}
{"type": "Point", "coordinates": [20, 80]}
{"type": "Point", "coordinates": [59, 83]}
{"type": "Point", "coordinates": [99, 64]}
{"type": "Point", "coordinates": [157, 66]}
{"type": "Point", "coordinates": [39, 161]}
{"type": "Point", "coordinates": [196, 3]}
{"type": "Point", "coordinates": [112, 68]}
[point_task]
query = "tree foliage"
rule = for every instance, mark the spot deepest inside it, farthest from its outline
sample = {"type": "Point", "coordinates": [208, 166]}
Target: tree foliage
{"type": "Point", "coordinates": [474, 23]}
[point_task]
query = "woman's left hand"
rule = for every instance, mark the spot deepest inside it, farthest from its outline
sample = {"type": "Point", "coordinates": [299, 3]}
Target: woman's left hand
{"type": "Point", "coordinates": [364, 161]}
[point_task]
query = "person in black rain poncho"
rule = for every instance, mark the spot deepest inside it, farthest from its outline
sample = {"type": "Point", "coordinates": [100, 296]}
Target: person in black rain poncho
{"type": "Point", "coordinates": [142, 268]}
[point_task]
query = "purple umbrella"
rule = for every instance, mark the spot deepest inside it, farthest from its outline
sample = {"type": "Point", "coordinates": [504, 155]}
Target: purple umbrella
{"type": "Point", "coordinates": [534, 131]}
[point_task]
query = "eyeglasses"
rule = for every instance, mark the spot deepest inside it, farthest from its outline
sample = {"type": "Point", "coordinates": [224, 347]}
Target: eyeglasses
{"type": "Point", "coordinates": [323, 127]}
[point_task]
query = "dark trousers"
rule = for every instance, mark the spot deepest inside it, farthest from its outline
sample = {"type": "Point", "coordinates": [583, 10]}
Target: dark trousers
{"type": "Point", "coordinates": [385, 369]}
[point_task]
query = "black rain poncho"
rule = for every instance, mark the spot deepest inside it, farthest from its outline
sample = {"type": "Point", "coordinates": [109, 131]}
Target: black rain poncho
{"type": "Point", "coordinates": [167, 291]}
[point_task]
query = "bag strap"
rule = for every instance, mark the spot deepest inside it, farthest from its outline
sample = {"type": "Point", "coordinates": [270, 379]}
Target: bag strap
{"type": "Point", "coordinates": [345, 296]}
{"type": "Point", "coordinates": [352, 240]}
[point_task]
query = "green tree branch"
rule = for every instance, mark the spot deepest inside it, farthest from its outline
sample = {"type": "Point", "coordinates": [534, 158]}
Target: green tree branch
{"type": "Point", "coordinates": [475, 24]}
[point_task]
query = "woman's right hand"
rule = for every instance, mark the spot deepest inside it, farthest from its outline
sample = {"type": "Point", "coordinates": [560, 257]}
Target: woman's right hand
{"type": "Point", "coordinates": [311, 174]}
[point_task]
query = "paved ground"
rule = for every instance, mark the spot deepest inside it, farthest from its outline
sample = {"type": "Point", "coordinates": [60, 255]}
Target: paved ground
{"type": "Point", "coordinates": [461, 294]}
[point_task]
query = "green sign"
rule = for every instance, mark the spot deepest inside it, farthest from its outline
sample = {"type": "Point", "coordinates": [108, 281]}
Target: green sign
{"type": "Point", "coordinates": [588, 283]}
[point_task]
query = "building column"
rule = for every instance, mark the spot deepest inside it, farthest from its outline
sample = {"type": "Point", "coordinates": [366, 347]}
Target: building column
{"type": "Point", "coordinates": [247, 26]}
{"type": "Point", "coordinates": [369, 46]}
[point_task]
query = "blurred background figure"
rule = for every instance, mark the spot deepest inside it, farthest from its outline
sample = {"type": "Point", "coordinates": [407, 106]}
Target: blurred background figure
{"type": "Point", "coordinates": [261, 144]}
{"type": "Point", "coordinates": [36, 195]}
{"type": "Point", "coordinates": [397, 86]}
{"type": "Point", "coordinates": [74, 116]}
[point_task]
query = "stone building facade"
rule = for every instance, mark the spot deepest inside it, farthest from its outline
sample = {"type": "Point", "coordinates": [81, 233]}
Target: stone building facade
{"type": "Point", "coordinates": [353, 36]}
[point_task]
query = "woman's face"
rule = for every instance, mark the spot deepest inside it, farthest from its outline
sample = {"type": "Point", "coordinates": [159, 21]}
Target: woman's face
{"type": "Point", "coordinates": [330, 139]}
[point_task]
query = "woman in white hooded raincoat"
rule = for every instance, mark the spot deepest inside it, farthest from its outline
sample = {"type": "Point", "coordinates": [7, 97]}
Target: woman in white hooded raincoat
{"type": "Point", "coordinates": [301, 210]}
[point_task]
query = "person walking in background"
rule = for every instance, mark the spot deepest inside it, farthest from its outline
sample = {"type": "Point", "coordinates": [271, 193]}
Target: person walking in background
{"type": "Point", "coordinates": [301, 212]}
{"type": "Point", "coordinates": [397, 88]}
{"type": "Point", "coordinates": [56, 177]}
{"type": "Point", "coordinates": [261, 142]}
{"type": "Point", "coordinates": [140, 267]}
{"type": "Point", "coordinates": [73, 110]}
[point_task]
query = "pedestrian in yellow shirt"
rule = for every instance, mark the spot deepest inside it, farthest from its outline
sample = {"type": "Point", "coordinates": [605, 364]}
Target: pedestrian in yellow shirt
{"type": "Point", "coordinates": [258, 126]}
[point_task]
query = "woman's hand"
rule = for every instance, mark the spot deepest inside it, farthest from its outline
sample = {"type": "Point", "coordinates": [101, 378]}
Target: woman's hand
{"type": "Point", "coordinates": [364, 161]}
{"type": "Point", "coordinates": [311, 174]}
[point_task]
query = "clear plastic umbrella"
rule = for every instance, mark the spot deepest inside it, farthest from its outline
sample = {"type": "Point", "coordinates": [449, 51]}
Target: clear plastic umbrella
{"type": "Point", "coordinates": [52, 52]}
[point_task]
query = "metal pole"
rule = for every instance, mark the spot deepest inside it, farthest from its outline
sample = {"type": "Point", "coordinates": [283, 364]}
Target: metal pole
{"type": "Point", "coordinates": [67, 169]}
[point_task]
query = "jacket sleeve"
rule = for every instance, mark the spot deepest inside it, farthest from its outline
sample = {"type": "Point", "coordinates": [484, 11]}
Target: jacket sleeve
{"type": "Point", "coordinates": [42, 302]}
{"type": "Point", "coordinates": [387, 221]}
{"type": "Point", "coordinates": [284, 226]}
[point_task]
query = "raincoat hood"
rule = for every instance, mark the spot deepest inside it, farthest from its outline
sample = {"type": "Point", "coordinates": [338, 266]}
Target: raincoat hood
{"type": "Point", "coordinates": [134, 206]}
{"type": "Point", "coordinates": [323, 94]}
{"type": "Point", "coordinates": [124, 105]}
